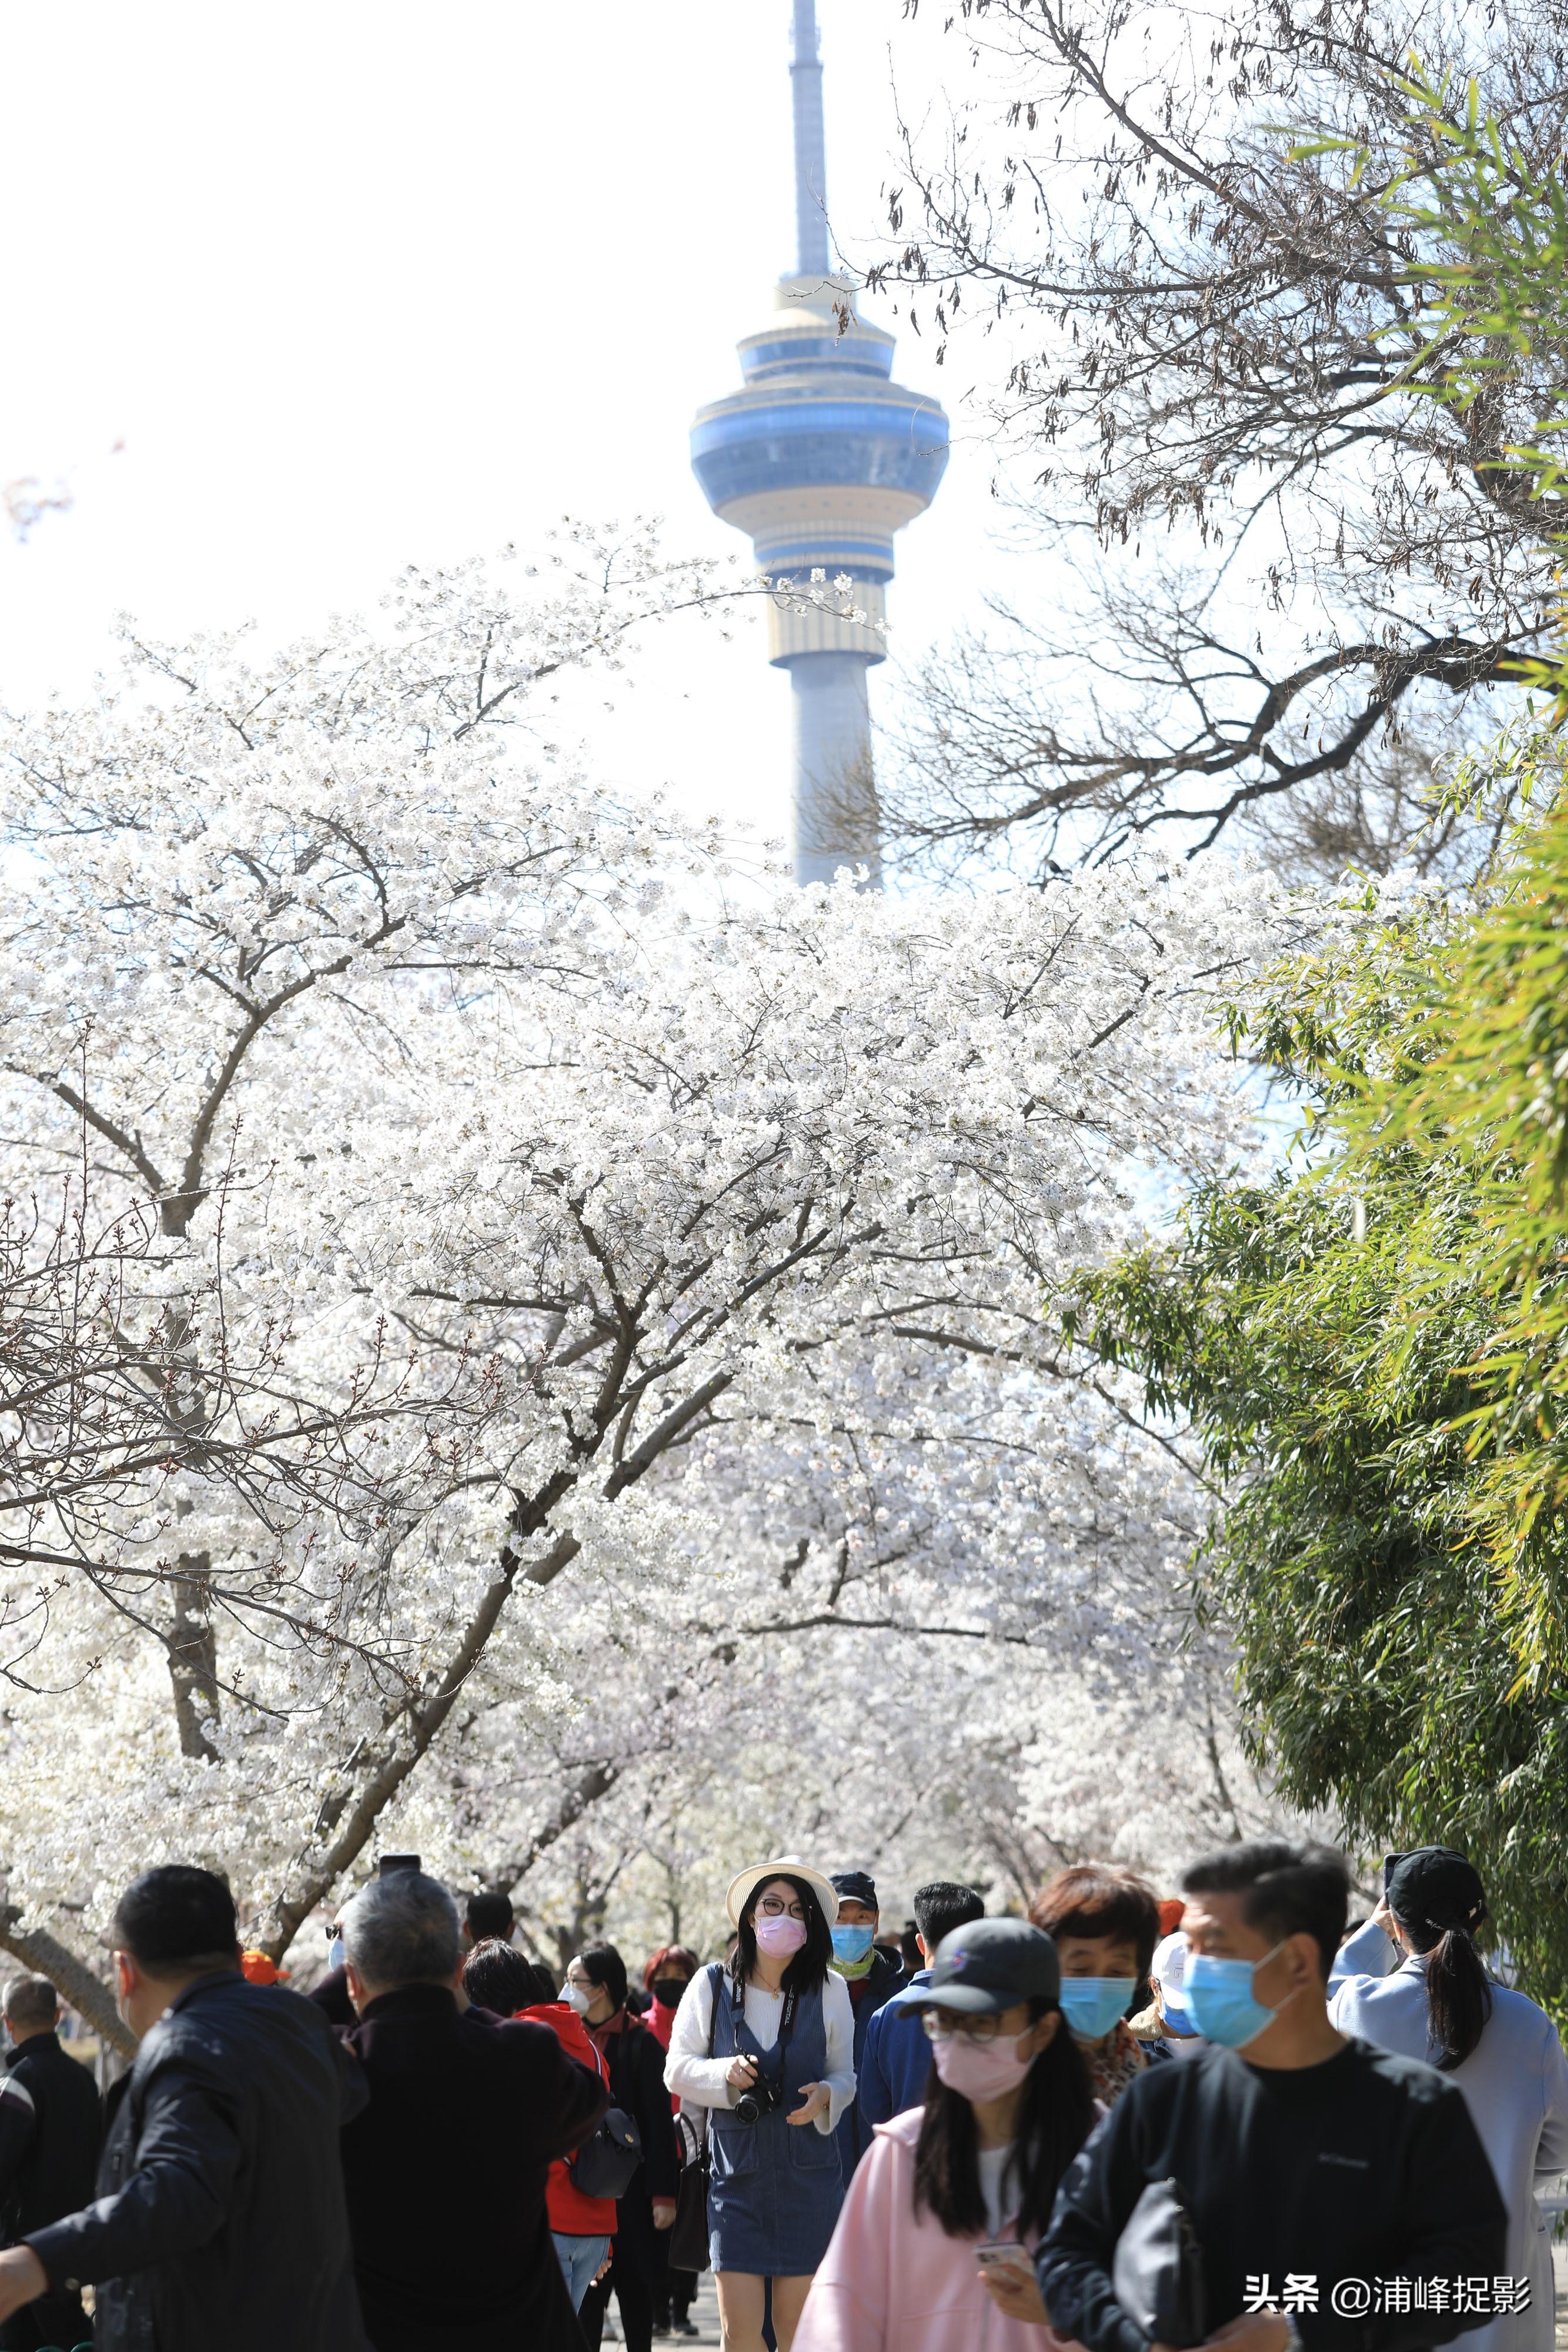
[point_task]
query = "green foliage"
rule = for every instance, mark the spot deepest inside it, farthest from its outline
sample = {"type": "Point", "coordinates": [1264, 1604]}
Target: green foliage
{"type": "Point", "coordinates": [1495, 1098]}
{"type": "Point", "coordinates": [1372, 1347]}
{"type": "Point", "coordinates": [1480, 323]}
{"type": "Point", "coordinates": [1482, 227]}
{"type": "Point", "coordinates": [1491, 226]}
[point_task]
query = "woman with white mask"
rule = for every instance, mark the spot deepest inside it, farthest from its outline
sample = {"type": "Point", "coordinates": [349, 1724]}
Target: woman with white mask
{"type": "Point", "coordinates": [635, 2064]}
{"type": "Point", "coordinates": [1412, 1980]}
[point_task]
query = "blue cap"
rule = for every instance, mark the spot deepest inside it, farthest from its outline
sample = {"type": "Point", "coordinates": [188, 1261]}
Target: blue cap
{"type": "Point", "coordinates": [855, 1886]}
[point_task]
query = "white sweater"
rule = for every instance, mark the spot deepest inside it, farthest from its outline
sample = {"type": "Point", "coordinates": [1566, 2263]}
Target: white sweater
{"type": "Point", "coordinates": [699, 2080]}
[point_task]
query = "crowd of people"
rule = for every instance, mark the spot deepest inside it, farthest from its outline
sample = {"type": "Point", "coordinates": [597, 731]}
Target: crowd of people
{"type": "Point", "coordinates": [1229, 2119]}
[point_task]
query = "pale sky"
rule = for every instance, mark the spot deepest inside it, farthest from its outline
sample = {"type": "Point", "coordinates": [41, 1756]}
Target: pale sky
{"type": "Point", "coordinates": [358, 285]}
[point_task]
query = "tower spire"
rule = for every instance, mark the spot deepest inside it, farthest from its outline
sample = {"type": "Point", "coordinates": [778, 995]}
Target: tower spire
{"type": "Point", "coordinates": [810, 146]}
{"type": "Point", "coordinates": [820, 460]}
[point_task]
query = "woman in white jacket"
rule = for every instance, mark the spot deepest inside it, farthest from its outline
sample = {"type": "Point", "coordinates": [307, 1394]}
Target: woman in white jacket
{"type": "Point", "coordinates": [766, 2045]}
{"type": "Point", "coordinates": [1412, 1980]}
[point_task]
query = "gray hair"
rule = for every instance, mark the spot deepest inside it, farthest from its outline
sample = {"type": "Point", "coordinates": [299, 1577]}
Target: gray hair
{"type": "Point", "coordinates": [31, 2000]}
{"type": "Point", "coordinates": [403, 1930]}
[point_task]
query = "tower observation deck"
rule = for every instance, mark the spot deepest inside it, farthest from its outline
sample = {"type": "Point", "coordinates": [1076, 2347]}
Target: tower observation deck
{"type": "Point", "coordinates": [821, 458]}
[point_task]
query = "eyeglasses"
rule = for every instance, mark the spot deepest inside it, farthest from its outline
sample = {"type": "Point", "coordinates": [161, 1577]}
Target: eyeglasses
{"type": "Point", "coordinates": [772, 1908]}
{"type": "Point", "coordinates": [941, 2026]}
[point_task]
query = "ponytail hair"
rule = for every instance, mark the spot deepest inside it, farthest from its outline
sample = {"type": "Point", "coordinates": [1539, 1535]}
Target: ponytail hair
{"type": "Point", "coordinates": [1459, 1989]}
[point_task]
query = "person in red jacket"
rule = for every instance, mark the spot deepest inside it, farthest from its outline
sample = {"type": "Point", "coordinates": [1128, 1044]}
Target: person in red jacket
{"type": "Point", "coordinates": [597, 1978]}
{"type": "Point", "coordinates": [496, 1977]}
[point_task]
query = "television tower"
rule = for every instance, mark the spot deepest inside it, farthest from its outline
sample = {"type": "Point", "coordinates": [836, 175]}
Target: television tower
{"type": "Point", "coordinates": [820, 459]}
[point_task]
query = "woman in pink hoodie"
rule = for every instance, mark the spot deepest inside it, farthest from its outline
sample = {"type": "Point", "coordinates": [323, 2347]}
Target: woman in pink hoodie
{"type": "Point", "coordinates": [933, 2248]}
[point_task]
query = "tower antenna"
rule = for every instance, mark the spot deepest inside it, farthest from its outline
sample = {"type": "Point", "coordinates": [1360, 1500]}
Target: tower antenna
{"type": "Point", "coordinates": [821, 458]}
{"type": "Point", "coordinates": [810, 145]}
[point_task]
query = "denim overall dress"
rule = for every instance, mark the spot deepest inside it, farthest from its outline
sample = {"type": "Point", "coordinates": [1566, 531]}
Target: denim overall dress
{"type": "Point", "coordinates": [776, 2188]}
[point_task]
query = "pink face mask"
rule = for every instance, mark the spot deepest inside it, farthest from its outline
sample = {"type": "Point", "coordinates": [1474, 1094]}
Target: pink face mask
{"type": "Point", "coordinates": [979, 2070]}
{"type": "Point", "coordinates": [779, 1935]}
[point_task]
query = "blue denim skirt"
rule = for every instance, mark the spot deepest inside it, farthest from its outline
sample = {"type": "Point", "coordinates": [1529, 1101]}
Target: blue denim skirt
{"type": "Point", "coordinates": [776, 2187]}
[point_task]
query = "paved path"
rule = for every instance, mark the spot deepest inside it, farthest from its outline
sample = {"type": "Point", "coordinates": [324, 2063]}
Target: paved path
{"type": "Point", "coordinates": [704, 2311]}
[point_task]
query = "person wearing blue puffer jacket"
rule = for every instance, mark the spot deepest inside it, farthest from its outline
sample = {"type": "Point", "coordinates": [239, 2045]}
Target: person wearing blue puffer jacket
{"type": "Point", "coordinates": [895, 2063]}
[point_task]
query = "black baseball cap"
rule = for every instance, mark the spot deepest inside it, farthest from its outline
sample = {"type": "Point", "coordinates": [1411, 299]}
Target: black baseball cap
{"type": "Point", "coordinates": [855, 1886]}
{"type": "Point", "coordinates": [1436, 1888]}
{"type": "Point", "coordinates": [987, 1965]}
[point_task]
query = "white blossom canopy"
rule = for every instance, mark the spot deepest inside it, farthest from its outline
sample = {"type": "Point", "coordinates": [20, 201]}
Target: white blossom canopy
{"type": "Point", "coordinates": [600, 1330]}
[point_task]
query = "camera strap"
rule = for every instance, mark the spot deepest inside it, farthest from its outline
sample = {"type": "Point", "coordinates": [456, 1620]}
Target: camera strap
{"type": "Point", "coordinates": [786, 2022]}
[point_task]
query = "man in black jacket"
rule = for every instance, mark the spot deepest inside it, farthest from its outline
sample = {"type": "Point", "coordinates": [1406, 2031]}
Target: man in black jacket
{"type": "Point", "coordinates": [445, 2169]}
{"type": "Point", "coordinates": [873, 1977]}
{"type": "Point", "coordinates": [51, 2123]}
{"type": "Point", "coordinates": [1339, 2197]}
{"type": "Point", "coordinates": [220, 2217]}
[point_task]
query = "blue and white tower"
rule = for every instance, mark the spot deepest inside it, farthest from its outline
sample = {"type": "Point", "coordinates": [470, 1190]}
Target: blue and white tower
{"type": "Point", "coordinates": [820, 459]}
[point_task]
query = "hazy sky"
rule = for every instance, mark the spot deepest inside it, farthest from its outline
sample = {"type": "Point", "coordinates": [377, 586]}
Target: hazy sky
{"type": "Point", "coordinates": [358, 285]}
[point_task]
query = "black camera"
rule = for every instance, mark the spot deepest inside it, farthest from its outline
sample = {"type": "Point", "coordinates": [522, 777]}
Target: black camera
{"type": "Point", "coordinates": [759, 2097]}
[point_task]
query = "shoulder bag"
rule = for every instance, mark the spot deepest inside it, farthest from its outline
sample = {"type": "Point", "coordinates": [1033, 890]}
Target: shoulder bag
{"type": "Point", "coordinates": [605, 2164]}
{"type": "Point", "coordinates": [1158, 2270]}
{"type": "Point", "coordinates": [607, 2160]}
{"type": "Point", "coordinates": [688, 2248]}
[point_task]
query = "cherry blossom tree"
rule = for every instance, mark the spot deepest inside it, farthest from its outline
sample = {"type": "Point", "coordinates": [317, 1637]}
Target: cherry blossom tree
{"type": "Point", "coordinates": [673, 1271]}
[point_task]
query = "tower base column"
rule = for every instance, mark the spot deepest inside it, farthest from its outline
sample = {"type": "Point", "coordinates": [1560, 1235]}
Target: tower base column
{"type": "Point", "coordinates": [837, 820]}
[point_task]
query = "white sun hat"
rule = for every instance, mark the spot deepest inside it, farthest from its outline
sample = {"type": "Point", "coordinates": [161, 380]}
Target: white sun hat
{"type": "Point", "coordinates": [788, 1866]}
{"type": "Point", "coordinates": [1168, 1967]}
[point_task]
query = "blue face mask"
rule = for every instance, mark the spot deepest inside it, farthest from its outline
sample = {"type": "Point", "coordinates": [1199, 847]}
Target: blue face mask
{"type": "Point", "coordinates": [1092, 2004]}
{"type": "Point", "coordinates": [1178, 2018]}
{"type": "Point", "coordinates": [852, 1943]}
{"type": "Point", "coordinates": [1220, 1997]}
{"type": "Point", "coordinates": [336, 1954]}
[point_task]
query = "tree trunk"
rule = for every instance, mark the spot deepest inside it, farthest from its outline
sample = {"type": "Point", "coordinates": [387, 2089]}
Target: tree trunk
{"type": "Point", "coordinates": [574, 1802]}
{"type": "Point", "coordinates": [191, 1643]}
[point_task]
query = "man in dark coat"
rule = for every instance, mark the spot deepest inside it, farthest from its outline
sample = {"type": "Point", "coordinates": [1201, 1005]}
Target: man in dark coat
{"type": "Point", "coordinates": [220, 2216]}
{"type": "Point", "coordinates": [51, 2123]}
{"type": "Point", "coordinates": [445, 2169]}
{"type": "Point", "coordinates": [873, 1977]}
